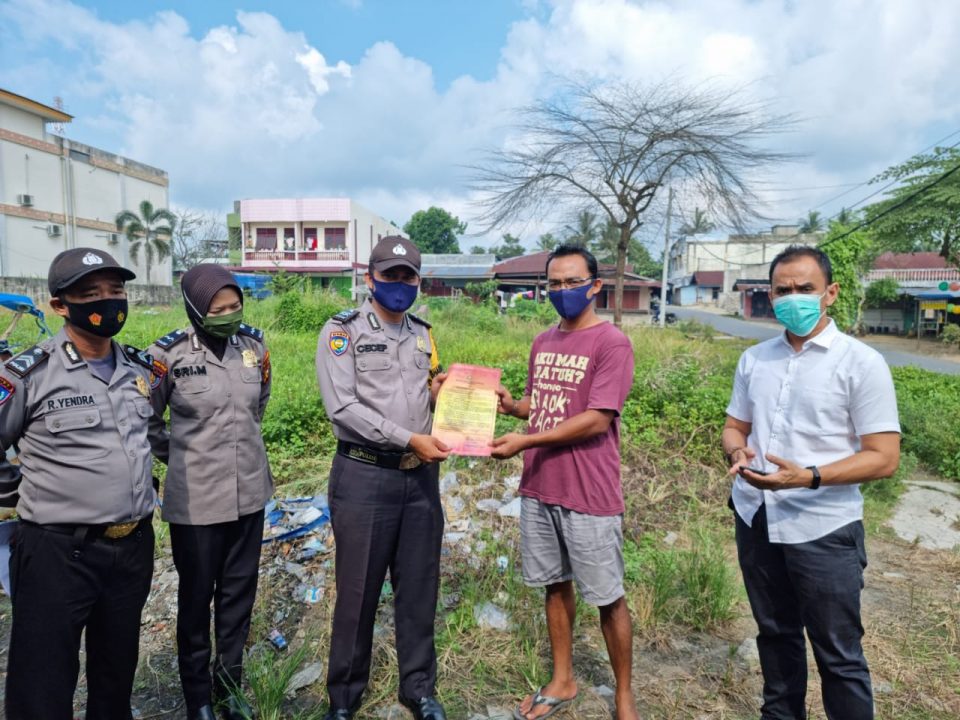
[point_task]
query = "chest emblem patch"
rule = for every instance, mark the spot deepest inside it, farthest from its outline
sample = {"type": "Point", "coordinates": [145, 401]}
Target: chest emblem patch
{"type": "Point", "coordinates": [142, 386]}
{"type": "Point", "coordinates": [249, 358]}
{"type": "Point", "coordinates": [339, 342]}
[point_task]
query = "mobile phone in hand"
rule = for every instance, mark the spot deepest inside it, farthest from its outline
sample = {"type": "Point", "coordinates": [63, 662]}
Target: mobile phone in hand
{"type": "Point", "coordinates": [755, 471]}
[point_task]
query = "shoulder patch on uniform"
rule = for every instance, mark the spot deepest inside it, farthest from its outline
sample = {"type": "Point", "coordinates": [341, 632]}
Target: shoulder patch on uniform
{"type": "Point", "coordinates": [338, 341]}
{"type": "Point", "coordinates": [250, 331]}
{"type": "Point", "coordinates": [141, 357]}
{"type": "Point", "coordinates": [171, 339]}
{"type": "Point", "coordinates": [27, 361]}
{"type": "Point", "coordinates": [419, 320]}
{"type": "Point", "coordinates": [158, 372]}
{"type": "Point", "coordinates": [345, 316]}
{"type": "Point", "coordinates": [6, 390]}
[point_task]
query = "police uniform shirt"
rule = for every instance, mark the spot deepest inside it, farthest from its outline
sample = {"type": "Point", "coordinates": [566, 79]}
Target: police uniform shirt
{"type": "Point", "coordinates": [376, 389]}
{"type": "Point", "coordinates": [217, 468]}
{"type": "Point", "coordinates": [84, 451]}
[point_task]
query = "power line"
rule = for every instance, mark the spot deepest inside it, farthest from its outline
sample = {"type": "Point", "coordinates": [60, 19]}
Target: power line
{"type": "Point", "coordinates": [895, 206]}
{"type": "Point", "coordinates": [867, 182]}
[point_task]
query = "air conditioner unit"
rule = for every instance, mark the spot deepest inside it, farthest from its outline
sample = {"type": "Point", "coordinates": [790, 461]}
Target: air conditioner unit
{"type": "Point", "coordinates": [25, 200]}
{"type": "Point", "coordinates": [54, 230]}
{"type": "Point", "coordinates": [113, 238]}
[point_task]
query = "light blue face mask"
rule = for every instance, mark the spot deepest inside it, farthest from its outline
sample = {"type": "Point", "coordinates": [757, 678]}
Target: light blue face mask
{"type": "Point", "coordinates": [799, 313]}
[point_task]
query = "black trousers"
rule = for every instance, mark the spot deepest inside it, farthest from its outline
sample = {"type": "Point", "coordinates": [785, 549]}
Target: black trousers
{"type": "Point", "coordinates": [220, 563]}
{"type": "Point", "coordinates": [814, 586]}
{"type": "Point", "coordinates": [384, 519]}
{"type": "Point", "coordinates": [63, 585]}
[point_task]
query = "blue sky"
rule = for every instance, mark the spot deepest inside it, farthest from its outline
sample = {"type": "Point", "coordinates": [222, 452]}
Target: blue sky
{"type": "Point", "coordinates": [385, 102]}
{"type": "Point", "coordinates": [454, 37]}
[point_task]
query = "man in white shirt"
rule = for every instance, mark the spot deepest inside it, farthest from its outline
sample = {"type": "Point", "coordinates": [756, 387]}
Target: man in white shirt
{"type": "Point", "coordinates": [814, 411]}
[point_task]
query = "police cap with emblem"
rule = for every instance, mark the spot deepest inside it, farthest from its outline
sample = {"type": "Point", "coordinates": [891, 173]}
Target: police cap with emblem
{"type": "Point", "coordinates": [392, 251]}
{"type": "Point", "coordinates": [71, 265]}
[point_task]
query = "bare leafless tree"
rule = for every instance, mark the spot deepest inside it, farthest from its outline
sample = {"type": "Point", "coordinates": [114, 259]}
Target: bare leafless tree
{"type": "Point", "coordinates": [614, 147]}
{"type": "Point", "coordinates": [197, 235]}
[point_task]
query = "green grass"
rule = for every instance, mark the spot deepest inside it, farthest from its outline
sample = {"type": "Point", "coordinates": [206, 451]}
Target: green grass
{"type": "Point", "coordinates": [673, 482]}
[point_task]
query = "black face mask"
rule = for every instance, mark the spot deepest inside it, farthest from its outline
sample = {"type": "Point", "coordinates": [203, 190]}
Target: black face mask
{"type": "Point", "coordinates": [99, 317]}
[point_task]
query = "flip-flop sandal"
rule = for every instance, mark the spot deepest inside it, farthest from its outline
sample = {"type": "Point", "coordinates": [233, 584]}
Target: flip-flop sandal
{"type": "Point", "coordinates": [553, 703]}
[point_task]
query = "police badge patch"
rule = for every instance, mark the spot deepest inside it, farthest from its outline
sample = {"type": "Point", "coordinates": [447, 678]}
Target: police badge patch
{"type": "Point", "coordinates": [6, 390]}
{"type": "Point", "coordinates": [339, 342]}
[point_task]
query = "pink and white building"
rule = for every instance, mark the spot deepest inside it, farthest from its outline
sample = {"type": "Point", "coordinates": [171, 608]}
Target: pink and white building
{"type": "Point", "coordinates": [323, 237]}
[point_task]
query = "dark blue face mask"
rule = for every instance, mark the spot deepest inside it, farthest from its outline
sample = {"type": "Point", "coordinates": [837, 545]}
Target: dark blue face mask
{"type": "Point", "coordinates": [394, 296]}
{"type": "Point", "coordinates": [570, 303]}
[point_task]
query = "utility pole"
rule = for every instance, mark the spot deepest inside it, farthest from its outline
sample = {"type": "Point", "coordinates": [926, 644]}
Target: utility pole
{"type": "Point", "coordinates": [666, 262]}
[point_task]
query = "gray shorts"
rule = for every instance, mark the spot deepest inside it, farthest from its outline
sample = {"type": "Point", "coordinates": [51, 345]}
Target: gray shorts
{"type": "Point", "coordinates": [557, 545]}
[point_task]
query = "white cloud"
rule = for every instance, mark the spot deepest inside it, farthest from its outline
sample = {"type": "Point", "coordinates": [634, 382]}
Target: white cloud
{"type": "Point", "coordinates": [252, 108]}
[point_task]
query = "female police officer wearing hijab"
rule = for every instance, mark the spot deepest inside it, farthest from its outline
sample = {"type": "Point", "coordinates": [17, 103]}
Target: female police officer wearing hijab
{"type": "Point", "coordinates": [214, 376]}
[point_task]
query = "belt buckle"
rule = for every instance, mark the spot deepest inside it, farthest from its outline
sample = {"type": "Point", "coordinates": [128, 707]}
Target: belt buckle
{"type": "Point", "coordinates": [120, 530]}
{"type": "Point", "coordinates": [409, 461]}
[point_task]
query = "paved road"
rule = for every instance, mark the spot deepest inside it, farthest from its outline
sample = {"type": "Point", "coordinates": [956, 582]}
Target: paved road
{"type": "Point", "coordinates": [760, 330]}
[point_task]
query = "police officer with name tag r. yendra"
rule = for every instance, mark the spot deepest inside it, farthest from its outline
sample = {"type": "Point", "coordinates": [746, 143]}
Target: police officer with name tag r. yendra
{"type": "Point", "coordinates": [215, 379]}
{"type": "Point", "coordinates": [78, 407]}
{"type": "Point", "coordinates": [375, 365]}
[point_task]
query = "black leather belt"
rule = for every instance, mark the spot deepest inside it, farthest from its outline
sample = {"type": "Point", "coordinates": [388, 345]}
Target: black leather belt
{"type": "Point", "coordinates": [380, 458]}
{"type": "Point", "coordinates": [112, 531]}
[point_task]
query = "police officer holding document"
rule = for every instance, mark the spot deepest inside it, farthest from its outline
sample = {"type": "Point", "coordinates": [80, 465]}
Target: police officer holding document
{"type": "Point", "coordinates": [78, 407]}
{"type": "Point", "coordinates": [375, 365]}
{"type": "Point", "coordinates": [215, 378]}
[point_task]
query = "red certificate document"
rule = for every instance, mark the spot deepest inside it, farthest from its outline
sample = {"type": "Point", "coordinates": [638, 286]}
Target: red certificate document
{"type": "Point", "coordinates": [466, 412]}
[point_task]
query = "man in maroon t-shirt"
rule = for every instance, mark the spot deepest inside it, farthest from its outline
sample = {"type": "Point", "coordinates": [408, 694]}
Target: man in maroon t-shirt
{"type": "Point", "coordinates": [580, 373]}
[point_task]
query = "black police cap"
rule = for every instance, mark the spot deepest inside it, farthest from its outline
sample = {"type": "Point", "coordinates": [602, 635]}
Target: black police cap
{"type": "Point", "coordinates": [73, 264]}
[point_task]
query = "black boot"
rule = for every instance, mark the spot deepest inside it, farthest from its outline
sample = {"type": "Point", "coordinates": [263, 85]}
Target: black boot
{"type": "Point", "coordinates": [236, 708]}
{"type": "Point", "coordinates": [426, 708]}
{"type": "Point", "coordinates": [204, 713]}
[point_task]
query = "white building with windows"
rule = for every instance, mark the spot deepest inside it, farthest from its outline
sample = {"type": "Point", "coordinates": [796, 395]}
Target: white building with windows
{"type": "Point", "coordinates": [56, 193]}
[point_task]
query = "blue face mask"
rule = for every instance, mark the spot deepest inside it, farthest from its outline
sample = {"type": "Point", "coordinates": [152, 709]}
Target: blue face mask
{"type": "Point", "coordinates": [394, 296]}
{"type": "Point", "coordinates": [570, 303]}
{"type": "Point", "coordinates": [799, 313]}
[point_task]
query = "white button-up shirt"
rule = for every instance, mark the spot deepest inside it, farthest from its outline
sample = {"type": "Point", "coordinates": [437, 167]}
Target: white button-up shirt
{"type": "Point", "coordinates": [810, 407]}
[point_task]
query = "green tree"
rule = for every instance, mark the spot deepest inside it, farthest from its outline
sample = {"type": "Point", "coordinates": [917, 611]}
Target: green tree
{"type": "Point", "coordinates": [606, 245]}
{"type": "Point", "coordinates": [477, 250]}
{"type": "Point", "coordinates": [435, 231]}
{"type": "Point", "coordinates": [584, 232]}
{"type": "Point", "coordinates": [152, 230]}
{"type": "Point", "coordinates": [850, 257]}
{"type": "Point", "coordinates": [882, 291]}
{"type": "Point", "coordinates": [812, 223]}
{"type": "Point", "coordinates": [699, 224]}
{"type": "Point", "coordinates": [930, 221]}
{"type": "Point", "coordinates": [547, 243]}
{"type": "Point", "coordinates": [511, 247]}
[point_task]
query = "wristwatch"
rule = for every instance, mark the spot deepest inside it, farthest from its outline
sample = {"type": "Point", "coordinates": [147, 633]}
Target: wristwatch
{"type": "Point", "coordinates": [816, 477]}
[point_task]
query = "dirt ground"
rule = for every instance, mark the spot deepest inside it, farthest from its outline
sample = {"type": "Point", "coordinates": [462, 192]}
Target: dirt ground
{"type": "Point", "coordinates": [911, 614]}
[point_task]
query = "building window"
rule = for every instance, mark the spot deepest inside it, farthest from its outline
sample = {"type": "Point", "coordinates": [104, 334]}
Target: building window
{"type": "Point", "coordinates": [335, 238]}
{"type": "Point", "coordinates": [266, 239]}
{"type": "Point", "coordinates": [310, 238]}
{"type": "Point", "coordinates": [289, 239]}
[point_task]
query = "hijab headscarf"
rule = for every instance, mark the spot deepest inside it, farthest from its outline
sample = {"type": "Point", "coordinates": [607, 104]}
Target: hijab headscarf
{"type": "Point", "coordinates": [199, 285]}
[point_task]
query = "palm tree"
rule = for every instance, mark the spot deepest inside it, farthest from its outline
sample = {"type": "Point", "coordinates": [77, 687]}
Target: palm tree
{"type": "Point", "coordinates": [698, 224]}
{"type": "Point", "coordinates": [152, 229]}
{"type": "Point", "coordinates": [812, 223]}
{"type": "Point", "coordinates": [845, 217]}
{"type": "Point", "coordinates": [585, 232]}
{"type": "Point", "coordinates": [547, 242]}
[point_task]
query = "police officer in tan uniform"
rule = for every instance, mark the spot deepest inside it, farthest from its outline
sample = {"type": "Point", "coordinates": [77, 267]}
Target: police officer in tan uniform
{"type": "Point", "coordinates": [375, 365]}
{"type": "Point", "coordinates": [215, 379]}
{"type": "Point", "coordinates": [78, 407]}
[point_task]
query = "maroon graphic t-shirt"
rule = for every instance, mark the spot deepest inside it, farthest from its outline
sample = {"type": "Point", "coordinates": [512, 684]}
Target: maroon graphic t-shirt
{"type": "Point", "coordinates": [570, 373]}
